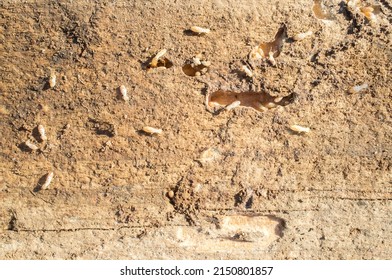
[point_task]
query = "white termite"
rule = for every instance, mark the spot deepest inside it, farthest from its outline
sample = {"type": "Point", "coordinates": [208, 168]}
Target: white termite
{"type": "Point", "coordinates": [124, 93]}
{"type": "Point", "coordinates": [271, 58]}
{"type": "Point", "coordinates": [371, 17]}
{"type": "Point", "coordinates": [152, 130]}
{"type": "Point", "coordinates": [356, 89]}
{"type": "Point", "coordinates": [48, 180]}
{"type": "Point", "coordinates": [263, 108]}
{"type": "Point", "coordinates": [270, 105]}
{"type": "Point", "coordinates": [368, 12]}
{"type": "Point", "coordinates": [52, 80]}
{"type": "Point", "coordinates": [247, 71]}
{"type": "Point", "coordinates": [170, 194]}
{"type": "Point", "coordinates": [278, 99]}
{"type": "Point", "coordinates": [233, 105]}
{"type": "Point", "coordinates": [31, 146]}
{"type": "Point", "coordinates": [42, 133]}
{"type": "Point", "coordinates": [299, 129]}
{"type": "Point", "coordinates": [196, 61]}
{"type": "Point", "coordinates": [200, 30]}
{"type": "Point", "coordinates": [154, 61]}
{"type": "Point", "coordinates": [302, 36]}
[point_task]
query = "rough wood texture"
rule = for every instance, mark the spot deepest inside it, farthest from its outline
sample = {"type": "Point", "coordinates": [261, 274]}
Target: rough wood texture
{"type": "Point", "coordinates": [243, 185]}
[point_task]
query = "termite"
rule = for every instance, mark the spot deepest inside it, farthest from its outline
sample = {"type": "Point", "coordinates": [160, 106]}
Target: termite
{"type": "Point", "coordinates": [31, 146]}
{"type": "Point", "coordinates": [52, 80]}
{"type": "Point", "coordinates": [278, 99]}
{"type": "Point", "coordinates": [270, 105]}
{"type": "Point", "coordinates": [48, 180]}
{"type": "Point", "coordinates": [247, 71]}
{"type": "Point", "coordinates": [200, 30]}
{"type": "Point", "coordinates": [233, 105]}
{"type": "Point", "coordinates": [155, 60]}
{"type": "Point", "coordinates": [123, 92]}
{"type": "Point", "coordinates": [152, 130]}
{"type": "Point", "coordinates": [170, 194]}
{"type": "Point", "coordinates": [263, 108]}
{"type": "Point", "coordinates": [302, 36]}
{"type": "Point", "coordinates": [368, 12]}
{"type": "Point", "coordinates": [271, 58]}
{"type": "Point", "coordinates": [196, 61]}
{"type": "Point", "coordinates": [356, 89]}
{"type": "Point", "coordinates": [42, 132]}
{"type": "Point", "coordinates": [299, 129]}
